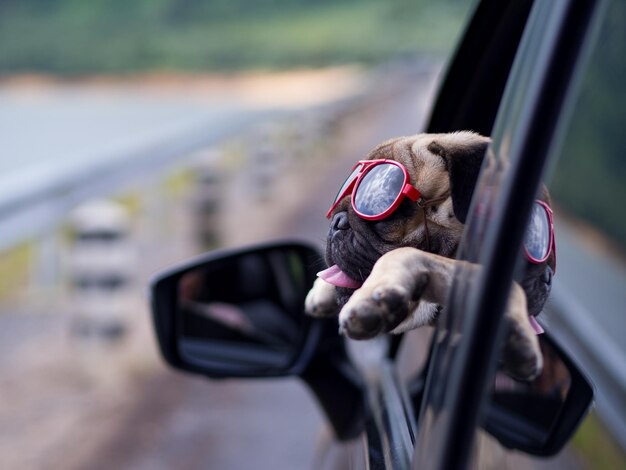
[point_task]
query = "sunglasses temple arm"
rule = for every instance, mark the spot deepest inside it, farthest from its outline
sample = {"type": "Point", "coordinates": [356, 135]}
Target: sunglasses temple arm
{"type": "Point", "coordinates": [411, 192]}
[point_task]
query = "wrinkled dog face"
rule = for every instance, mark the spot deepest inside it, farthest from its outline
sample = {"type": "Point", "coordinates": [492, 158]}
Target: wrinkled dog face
{"type": "Point", "coordinates": [442, 166]}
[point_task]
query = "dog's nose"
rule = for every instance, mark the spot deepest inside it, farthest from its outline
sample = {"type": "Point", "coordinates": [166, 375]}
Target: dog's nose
{"type": "Point", "coordinates": [340, 222]}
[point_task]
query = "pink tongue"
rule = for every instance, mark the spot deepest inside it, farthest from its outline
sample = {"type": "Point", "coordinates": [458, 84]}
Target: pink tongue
{"type": "Point", "coordinates": [337, 277]}
{"type": "Point", "coordinates": [535, 325]}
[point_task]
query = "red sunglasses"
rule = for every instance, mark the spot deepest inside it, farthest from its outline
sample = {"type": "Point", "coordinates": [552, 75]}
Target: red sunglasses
{"type": "Point", "coordinates": [539, 240]}
{"type": "Point", "coordinates": [377, 187]}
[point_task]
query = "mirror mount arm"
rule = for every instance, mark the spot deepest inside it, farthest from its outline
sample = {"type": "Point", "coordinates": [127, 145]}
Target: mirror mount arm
{"type": "Point", "coordinates": [337, 385]}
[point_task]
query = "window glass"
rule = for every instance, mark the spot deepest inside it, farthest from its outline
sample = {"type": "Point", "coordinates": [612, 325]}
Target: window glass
{"type": "Point", "coordinates": [587, 299]}
{"type": "Point", "coordinates": [588, 189]}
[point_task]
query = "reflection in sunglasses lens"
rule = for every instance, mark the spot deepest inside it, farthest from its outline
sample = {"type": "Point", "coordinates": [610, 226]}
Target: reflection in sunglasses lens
{"type": "Point", "coordinates": [378, 189]}
{"type": "Point", "coordinates": [537, 238]}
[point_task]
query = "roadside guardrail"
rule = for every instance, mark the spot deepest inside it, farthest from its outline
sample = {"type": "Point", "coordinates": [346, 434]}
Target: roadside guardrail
{"type": "Point", "coordinates": [32, 207]}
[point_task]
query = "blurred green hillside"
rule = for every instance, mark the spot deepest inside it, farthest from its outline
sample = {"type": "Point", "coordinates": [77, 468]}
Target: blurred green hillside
{"type": "Point", "coordinates": [590, 179]}
{"type": "Point", "coordinates": [116, 36]}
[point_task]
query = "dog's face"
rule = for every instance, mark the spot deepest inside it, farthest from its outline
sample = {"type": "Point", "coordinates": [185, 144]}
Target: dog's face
{"type": "Point", "coordinates": [440, 166]}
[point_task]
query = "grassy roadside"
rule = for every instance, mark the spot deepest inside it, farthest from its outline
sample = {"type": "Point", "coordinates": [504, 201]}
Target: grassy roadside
{"type": "Point", "coordinates": [595, 446]}
{"type": "Point", "coordinates": [15, 265]}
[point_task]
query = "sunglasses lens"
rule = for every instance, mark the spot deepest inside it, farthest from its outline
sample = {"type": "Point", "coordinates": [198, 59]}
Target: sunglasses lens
{"type": "Point", "coordinates": [378, 189]}
{"type": "Point", "coordinates": [347, 182]}
{"type": "Point", "coordinates": [538, 234]}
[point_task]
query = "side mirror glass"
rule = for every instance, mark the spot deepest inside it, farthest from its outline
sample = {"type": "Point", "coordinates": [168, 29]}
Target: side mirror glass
{"type": "Point", "coordinates": [539, 417]}
{"type": "Point", "coordinates": [238, 313]}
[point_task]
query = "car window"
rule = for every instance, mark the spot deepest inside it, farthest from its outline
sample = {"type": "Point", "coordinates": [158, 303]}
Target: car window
{"type": "Point", "coordinates": [530, 120]}
{"type": "Point", "coordinates": [587, 186]}
{"type": "Point", "coordinates": [587, 300]}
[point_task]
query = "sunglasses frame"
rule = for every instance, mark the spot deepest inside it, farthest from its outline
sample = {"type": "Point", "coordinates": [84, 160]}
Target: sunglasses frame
{"type": "Point", "coordinates": [407, 191]}
{"type": "Point", "coordinates": [552, 248]}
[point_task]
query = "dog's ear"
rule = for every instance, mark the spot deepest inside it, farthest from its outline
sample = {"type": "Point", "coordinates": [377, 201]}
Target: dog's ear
{"type": "Point", "coordinates": [463, 154]}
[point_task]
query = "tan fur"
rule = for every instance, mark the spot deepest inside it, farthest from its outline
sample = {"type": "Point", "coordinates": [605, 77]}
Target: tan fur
{"type": "Point", "coordinates": [417, 280]}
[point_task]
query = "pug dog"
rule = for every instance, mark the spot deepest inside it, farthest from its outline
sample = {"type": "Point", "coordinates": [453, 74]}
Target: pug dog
{"type": "Point", "coordinates": [396, 224]}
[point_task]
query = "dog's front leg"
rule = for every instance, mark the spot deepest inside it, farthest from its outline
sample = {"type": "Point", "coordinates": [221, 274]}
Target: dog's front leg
{"type": "Point", "coordinates": [399, 280]}
{"type": "Point", "coordinates": [521, 356]}
{"type": "Point", "coordinates": [403, 278]}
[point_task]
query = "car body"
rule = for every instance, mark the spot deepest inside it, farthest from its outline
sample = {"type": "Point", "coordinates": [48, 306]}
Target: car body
{"type": "Point", "coordinates": [514, 77]}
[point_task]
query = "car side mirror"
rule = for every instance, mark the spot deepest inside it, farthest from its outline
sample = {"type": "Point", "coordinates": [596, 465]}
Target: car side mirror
{"type": "Point", "coordinates": [238, 313]}
{"type": "Point", "coordinates": [539, 417]}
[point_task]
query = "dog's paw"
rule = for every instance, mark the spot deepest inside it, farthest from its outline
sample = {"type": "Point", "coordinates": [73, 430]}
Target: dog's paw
{"type": "Point", "coordinates": [365, 316]}
{"type": "Point", "coordinates": [321, 301]}
{"type": "Point", "coordinates": [378, 309]}
{"type": "Point", "coordinates": [521, 357]}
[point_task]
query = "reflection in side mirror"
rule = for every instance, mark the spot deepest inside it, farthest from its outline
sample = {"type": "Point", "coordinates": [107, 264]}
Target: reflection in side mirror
{"type": "Point", "coordinates": [238, 313]}
{"type": "Point", "coordinates": [539, 417]}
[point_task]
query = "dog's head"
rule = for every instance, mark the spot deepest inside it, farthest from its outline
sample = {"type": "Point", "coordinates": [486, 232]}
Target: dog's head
{"type": "Point", "coordinates": [443, 167]}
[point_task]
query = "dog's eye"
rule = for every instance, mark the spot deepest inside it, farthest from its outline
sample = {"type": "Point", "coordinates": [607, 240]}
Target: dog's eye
{"type": "Point", "coordinates": [387, 229]}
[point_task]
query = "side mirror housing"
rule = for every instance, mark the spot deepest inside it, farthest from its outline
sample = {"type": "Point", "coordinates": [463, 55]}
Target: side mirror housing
{"type": "Point", "coordinates": [238, 313]}
{"type": "Point", "coordinates": [540, 417]}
